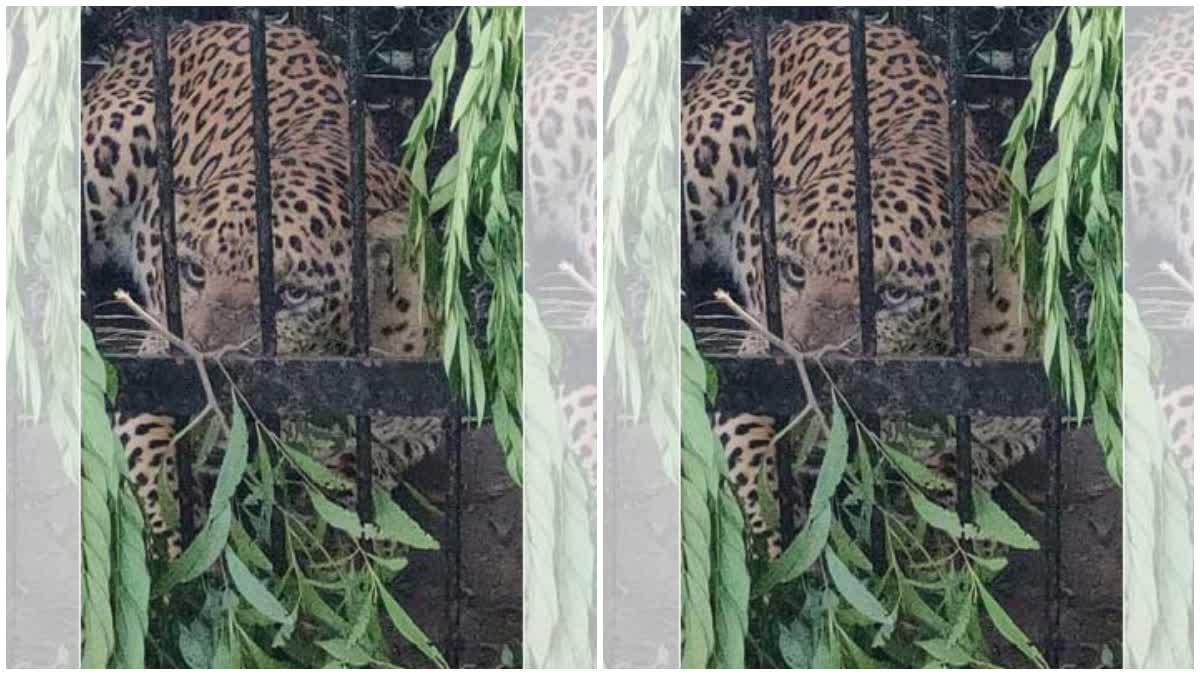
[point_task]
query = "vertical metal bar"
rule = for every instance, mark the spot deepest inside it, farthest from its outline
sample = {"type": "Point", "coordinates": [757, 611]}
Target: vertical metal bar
{"type": "Point", "coordinates": [85, 280]}
{"type": "Point", "coordinates": [165, 143]}
{"type": "Point", "coordinates": [166, 172]}
{"type": "Point", "coordinates": [1052, 435]}
{"type": "Point", "coordinates": [358, 249]}
{"type": "Point", "coordinates": [685, 306]}
{"type": "Point", "coordinates": [453, 546]}
{"type": "Point", "coordinates": [958, 251]}
{"type": "Point", "coordinates": [864, 223]}
{"type": "Point", "coordinates": [766, 222]}
{"type": "Point", "coordinates": [262, 181]}
{"type": "Point", "coordinates": [958, 258]}
{"type": "Point", "coordinates": [765, 171]}
{"type": "Point", "coordinates": [862, 182]}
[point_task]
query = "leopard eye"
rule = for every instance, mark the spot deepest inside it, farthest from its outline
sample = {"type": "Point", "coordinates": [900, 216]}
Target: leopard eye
{"type": "Point", "coordinates": [893, 296]}
{"type": "Point", "coordinates": [193, 273]}
{"type": "Point", "coordinates": [293, 296]}
{"type": "Point", "coordinates": [793, 272]}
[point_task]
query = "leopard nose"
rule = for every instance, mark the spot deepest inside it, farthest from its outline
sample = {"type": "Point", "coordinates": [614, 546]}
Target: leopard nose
{"type": "Point", "coordinates": [226, 324]}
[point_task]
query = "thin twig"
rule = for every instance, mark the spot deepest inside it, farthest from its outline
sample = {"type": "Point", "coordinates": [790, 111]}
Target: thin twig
{"type": "Point", "coordinates": [1169, 269]}
{"type": "Point", "coordinates": [569, 269]}
{"type": "Point", "coordinates": [796, 355]}
{"type": "Point", "coordinates": [198, 357]}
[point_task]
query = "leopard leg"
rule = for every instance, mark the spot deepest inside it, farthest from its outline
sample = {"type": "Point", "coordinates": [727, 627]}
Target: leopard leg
{"type": "Point", "coordinates": [399, 443]}
{"type": "Point", "coordinates": [149, 442]}
{"type": "Point", "coordinates": [748, 453]}
{"type": "Point", "coordinates": [579, 410]}
{"type": "Point", "coordinates": [997, 445]}
{"type": "Point", "coordinates": [1177, 406]}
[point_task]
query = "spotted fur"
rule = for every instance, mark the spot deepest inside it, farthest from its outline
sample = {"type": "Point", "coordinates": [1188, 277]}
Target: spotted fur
{"type": "Point", "coordinates": [1159, 182]}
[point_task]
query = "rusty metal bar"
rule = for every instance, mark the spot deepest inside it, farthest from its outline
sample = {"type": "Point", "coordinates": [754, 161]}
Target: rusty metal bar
{"type": "Point", "coordinates": [295, 385]}
{"type": "Point", "coordinates": [165, 143]}
{"type": "Point", "coordinates": [453, 545]}
{"type": "Point", "coordinates": [1052, 444]}
{"type": "Point", "coordinates": [164, 135]}
{"type": "Point", "coordinates": [765, 172]}
{"type": "Point", "coordinates": [765, 138]}
{"type": "Point", "coordinates": [267, 305]}
{"type": "Point", "coordinates": [892, 386]}
{"type": "Point", "coordinates": [85, 281]}
{"type": "Point", "coordinates": [959, 310]}
{"type": "Point", "coordinates": [867, 304]}
{"type": "Point", "coordinates": [359, 320]}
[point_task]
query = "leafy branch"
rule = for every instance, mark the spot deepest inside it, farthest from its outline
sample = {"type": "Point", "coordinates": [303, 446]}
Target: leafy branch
{"type": "Point", "coordinates": [115, 580]}
{"type": "Point", "coordinates": [1076, 196]}
{"type": "Point", "coordinates": [476, 196]}
{"type": "Point", "coordinates": [852, 610]}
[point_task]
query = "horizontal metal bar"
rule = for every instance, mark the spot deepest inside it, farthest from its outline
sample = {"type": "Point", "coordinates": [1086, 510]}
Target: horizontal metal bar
{"type": "Point", "coordinates": [164, 384]}
{"type": "Point", "coordinates": [950, 386]}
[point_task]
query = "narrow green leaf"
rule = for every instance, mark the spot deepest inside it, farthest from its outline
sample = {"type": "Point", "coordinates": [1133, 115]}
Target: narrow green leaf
{"type": "Point", "coordinates": [853, 590]}
{"type": "Point", "coordinates": [233, 465]}
{"type": "Point", "coordinates": [254, 591]}
{"type": "Point", "coordinates": [800, 554]}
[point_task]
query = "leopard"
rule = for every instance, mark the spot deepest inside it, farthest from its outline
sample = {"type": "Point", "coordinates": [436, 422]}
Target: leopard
{"type": "Point", "coordinates": [1159, 181]}
{"type": "Point", "coordinates": [816, 232]}
{"type": "Point", "coordinates": [560, 168]}
{"type": "Point", "coordinates": [216, 234]}
{"type": "Point", "coordinates": [560, 216]}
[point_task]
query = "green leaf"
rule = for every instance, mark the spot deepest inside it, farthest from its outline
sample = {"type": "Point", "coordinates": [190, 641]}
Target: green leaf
{"type": "Point", "coordinates": [409, 629]}
{"type": "Point", "coordinates": [833, 465]}
{"type": "Point", "coordinates": [939, 517]}
{"type": "Point", "coordinates": [732, 585]}
{"type": "Point", "coordinates": [233, 465]}
{"type": "Point", "coordinates": [396, 525]}
{"type": "Point", "coordinates": [131, 584]}
{"type": "Point", "coordinates": [315, 471]}
{"type": "Point", "coordinates": [196, 644]}
{"type": "Point", "coordinates": [853, 590]}
{"type": "Point", "coordinates": [254, 591]}
{"type": "Point", "coordinates": [946, 653]}
{"type": "Point", "coordinates": [345, 652]}
{"type": "Point", "coordinates": [336, 516]}
{"type": "Point", "coordinates": [202, 552]}
{"type": "Point", "coordinates": [800, 554]}
{"type": "Point", "coordinates": [796, 645]}
{"type": "Point", "coordinates": [1008, 628]}
{"type": "Point", "coordinates": [994, 524]}
{"type": "Point", "coordinates": [916, 471]}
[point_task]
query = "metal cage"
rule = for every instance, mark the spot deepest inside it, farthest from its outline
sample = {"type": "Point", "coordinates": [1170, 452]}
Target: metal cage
{"type": "Point", "coordinates": [958, 384]}
{"type": "Point", "coordinates": [358, 384]}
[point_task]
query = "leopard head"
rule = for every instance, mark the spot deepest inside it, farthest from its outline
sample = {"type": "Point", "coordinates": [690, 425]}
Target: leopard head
{"type": "Point", "coordinates": [218, 268]}
{"type": "Point", "coordinates": [818, 266]}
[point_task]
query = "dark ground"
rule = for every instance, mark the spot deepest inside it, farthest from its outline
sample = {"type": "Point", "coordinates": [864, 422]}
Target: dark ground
{"type": "Point", "coordinates": [491, 558]}
{"type": "Point", "coordinates": [1091, 557]}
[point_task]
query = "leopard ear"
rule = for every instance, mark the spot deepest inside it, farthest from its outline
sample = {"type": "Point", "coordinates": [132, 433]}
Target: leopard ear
{"type": "Point", "coordinates": [385, 232]}
{"type": "Point", "coordinates": [989, 225]}
{"type": "Point", "coordinates": [985, 239]}
{"type": "Point", "coordinates": [389, 225]}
